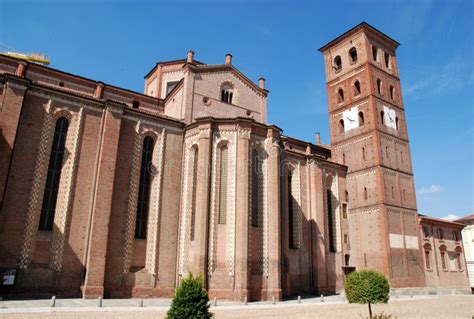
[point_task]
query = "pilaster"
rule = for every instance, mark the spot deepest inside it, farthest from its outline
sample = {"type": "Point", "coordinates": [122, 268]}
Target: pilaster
{"type": "Point", "coordinates": [97, 244]}
{"type": "Point", "coordinates": [274, 216]}
{"type": "Point", "coordinates": [202, 201]}
{"type": "Point", "coordinates": [11, 105]}
{"type": "Point", "coordinates": [242, 215]}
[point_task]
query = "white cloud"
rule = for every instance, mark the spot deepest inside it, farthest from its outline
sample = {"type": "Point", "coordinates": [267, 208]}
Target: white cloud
{"type": "Point", "coordinates": [430, 190]}
{"type": "Point", "coordinates": [450, 217]}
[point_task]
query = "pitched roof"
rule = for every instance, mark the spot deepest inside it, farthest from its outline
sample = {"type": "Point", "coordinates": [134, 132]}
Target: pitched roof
{"type": "Point", "coordinates": [362, 25]}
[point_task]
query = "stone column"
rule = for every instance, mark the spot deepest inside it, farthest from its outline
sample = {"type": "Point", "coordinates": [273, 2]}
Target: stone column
{"type": "Point", "coordinates": [242, 215]}
{"type": "Point", "coordinates": [11, 105]}
{"type": "Point", "coordinates": [274, 216]}
{"type": "Point", "coordinates": [102, 204]}
{"type": "Point", "coordinates": [202, 201]}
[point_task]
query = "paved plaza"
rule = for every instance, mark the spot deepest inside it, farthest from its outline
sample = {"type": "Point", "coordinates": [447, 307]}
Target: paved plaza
{"type": "Point", "coordinates": [449, 306]}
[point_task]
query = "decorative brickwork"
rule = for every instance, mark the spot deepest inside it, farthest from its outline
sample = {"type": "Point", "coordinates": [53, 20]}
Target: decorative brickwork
{"type": "Point", "coordinates": [132, 199]}
{"type": "Point", "coordinates": [155, 207]}
{"type": "Point", "coordinates": [37, 189]}
{"type": "Point", "coordinates": [66, 186]}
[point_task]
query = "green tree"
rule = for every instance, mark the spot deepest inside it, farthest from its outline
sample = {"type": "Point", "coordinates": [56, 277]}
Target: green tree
{"type": "Point", "coordinates": [190, 300]}
{"type": "Point", "coordinates": [367, 287]}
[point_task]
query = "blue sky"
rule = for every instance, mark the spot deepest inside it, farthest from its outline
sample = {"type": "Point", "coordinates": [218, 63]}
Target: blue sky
{"type": "Point", "coordinates": [119, 42]}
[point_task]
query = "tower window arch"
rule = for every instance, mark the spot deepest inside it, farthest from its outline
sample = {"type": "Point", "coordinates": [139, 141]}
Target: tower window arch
{"type": "Point", "coordinates": [340, 95]}
{"type": "Point", "coordinates": [365, 193]}
{"type": "Point", "coordinates": [392, 90]}
{"type": "Point", "coordinates": [223, 173]}
{"type": "Point", "coordinates": [227, 93]}
{"type": "Point", "coordinates": [387, 60]}
{"type": "Point", "coordinates": [337, 63]}
{"type": "Point", "coordinates": [353, 54]}
{"type": "Point", "coordinates": [51, 187]}
{"type": "Point", "coordinates": [341, 126]}
{"type": "Point", "coordinates": [143, 201]}
{"type": "Point", "coordinates": [363, 153]}
{"type": "Point", "coordinates": [379, 86]}
{"type": "Point", "coordinates": [382, 115]}
{"type": "Point", "coordinates": [374, 53]}
{"type": "Point", "coordinates": [361, 118]}
{"type": "Point", "coordinates": [396, 122]}
{"type": "Point", "coordinates": [356, 88]}
{"type": "Point", "coordinates": [343, 158]}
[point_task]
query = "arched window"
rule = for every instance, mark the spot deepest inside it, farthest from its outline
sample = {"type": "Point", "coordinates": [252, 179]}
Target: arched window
{"type": "Point", "coordinates": [459, 258]}
{"type": "Point", "coordinates": [224, 156]}
{"type": "Point", "coordinates": [404, 195]}
{"type": "Point", "coordinates": [386, 152]}
{"type": "Point", "coordinates": [292, 233]}
{"type": "Point", "coordinates": [257, 196]}
{"type": "Point", "coordinates": [341, 126]}
{"type": "Point", "coordinates": [361, 118]}
{"type": "Point", "coordinates": [442, 250]}
{"type": "Point", "coordinates": [455, 235]}
{"type": "Point", "coordinates": [227, 93]}
{"type": "Point", "coordinates": [51, 187]}
{"type": "Point", "coordinates": [343, 158]}
{"type": "Point", "coordinates": [392, 90]}
{"type": "Point", "coordinates": [440, 233]}
{"type": "Point", "coordinates": [396, 123]}
{"type": "Point", "coordinates": [427, 249]}
{"type": "Point", "coordinates": [426, 231]}
{"type": "Point", "coordinates": [363, 153]}
{"type": "Point", "coordinates": [356, 88]}
{"type": "Point", "coordinates": [331, 230]}
{"type": "Point", "coordinates": [379, 86]}
{"type": "Point", "coordinates": [365, 193]}
{"type": "Point", "coordinates": [387, 60]}
{"type": "Point", "coordinates": [195, 153]}
{"type": "Point", "coordinates": [382, 115]}
{"type": "Point", "coordinates": [353, 54]}
{"type": "Point", "coordinates": [143, 201]}
{"type": "Point", "coordinates": [346, 197]}
{"type": "Point", "coordinates": [337, 63]}
{"type": "Point", "coordinates": [340, 95]}
{"type": "Point", "coordinates": [374, 53]}
{"type": "Point", "coordinates": [393, 192]}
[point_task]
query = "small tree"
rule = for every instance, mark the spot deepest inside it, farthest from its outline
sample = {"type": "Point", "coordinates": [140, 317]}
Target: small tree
{"type": "Point", "coordinates": [190, 299]}
{"type": "Point", "coordinates": [367, 287]}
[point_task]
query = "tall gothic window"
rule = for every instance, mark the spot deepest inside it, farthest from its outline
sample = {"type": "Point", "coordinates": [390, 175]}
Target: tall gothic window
{"type": "Point", "coordinates": [332, 247]}
{"type": "Point", "coordinates": [144, 189]}
{"type": "Point", "coordinates": [292, 233]}
{"type": "Point", "coordinates": [223, 184]}
{"type": "Point", "coordinates": [54, 174]}
{"type": "Point", "coordinates": [256, 189]}
{"type": "Point", "coordinates": [193, 189]}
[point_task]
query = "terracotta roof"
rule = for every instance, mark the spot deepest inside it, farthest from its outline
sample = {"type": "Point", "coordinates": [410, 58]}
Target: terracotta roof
{"type": "Point", "coordinates": [363, 25]}
{"type": "Point", "coordinates": [468, 217]}
{"type": "Point", "coordinates": [440, 220]}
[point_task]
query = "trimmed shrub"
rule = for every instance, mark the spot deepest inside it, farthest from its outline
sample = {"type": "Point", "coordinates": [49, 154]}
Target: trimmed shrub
{"type": "Point", "coordinates": [190, 300]}
{"type": "Point", "coordinates": [367, 287]}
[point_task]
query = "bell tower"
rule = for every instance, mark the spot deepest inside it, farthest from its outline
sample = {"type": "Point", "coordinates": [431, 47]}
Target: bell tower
{"type": "Point", "coordinates": [369, 135]}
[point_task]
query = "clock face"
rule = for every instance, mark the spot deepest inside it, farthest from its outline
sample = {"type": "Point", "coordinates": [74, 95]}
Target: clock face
{"type": "Point", "coordinates": [351, 119]}
{"type": "Point", "coordinates": [389, 117]}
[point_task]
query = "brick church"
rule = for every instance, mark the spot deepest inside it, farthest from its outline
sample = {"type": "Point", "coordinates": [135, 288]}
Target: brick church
{"type": "Point", "coordinates": [109, 192]}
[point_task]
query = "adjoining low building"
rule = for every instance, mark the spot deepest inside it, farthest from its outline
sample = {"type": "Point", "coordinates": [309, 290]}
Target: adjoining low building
{"type": "Point", "coordinates": [467, 235]}
{"type": "Point", "coordinates": [445, 265]}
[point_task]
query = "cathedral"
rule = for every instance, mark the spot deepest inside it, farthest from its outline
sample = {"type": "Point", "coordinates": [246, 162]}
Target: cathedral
{"type": "Point", "coordinates": [109, 192]}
